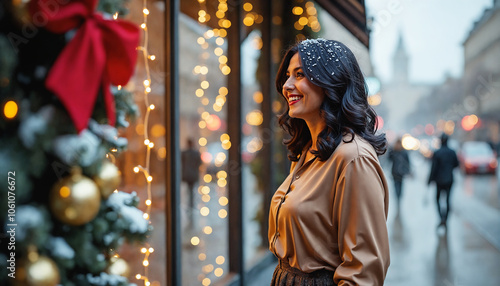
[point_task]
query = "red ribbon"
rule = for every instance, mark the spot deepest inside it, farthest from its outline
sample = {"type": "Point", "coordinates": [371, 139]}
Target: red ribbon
{"type": "Point", "coordinates": [101, 52]}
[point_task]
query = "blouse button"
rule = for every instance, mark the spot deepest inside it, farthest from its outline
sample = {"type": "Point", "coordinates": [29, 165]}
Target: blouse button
{"type": "Point", "coordinates": [277, 234]}
{"type": "Point", "coordinates": [296, 177]}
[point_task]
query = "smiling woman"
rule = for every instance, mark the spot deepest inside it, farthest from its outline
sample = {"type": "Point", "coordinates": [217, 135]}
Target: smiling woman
{"type": "Point", "coordinates": [327, 220]}
{"type": "Point", "coordinates": [304, 98]}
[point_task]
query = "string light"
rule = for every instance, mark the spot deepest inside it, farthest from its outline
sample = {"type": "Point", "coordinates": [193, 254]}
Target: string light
{"type": "Point", "coordinates": [146, 251]}
{"type": "Point", "coordinates": [308, 16]}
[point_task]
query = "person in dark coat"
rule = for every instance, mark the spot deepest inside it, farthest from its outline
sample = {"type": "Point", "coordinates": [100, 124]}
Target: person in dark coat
{"type": "Point", "coordinates": [191, 161]}
{"type": "Point", "coordinates": [444, 161]}
{"type": "Point", "coordinates": [400, 167]}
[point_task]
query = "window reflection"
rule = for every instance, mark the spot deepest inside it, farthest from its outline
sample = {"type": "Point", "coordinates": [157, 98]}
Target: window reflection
{"type": "Point", "coordinates": [203, 93]}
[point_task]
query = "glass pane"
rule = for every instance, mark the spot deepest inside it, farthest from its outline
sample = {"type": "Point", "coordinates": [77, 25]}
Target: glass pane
{"type": "Point", "coordinates": [252, 119]}
{"type": "Point", "coordinates": [203, 92]}
{"type": "Point", "coordinates": [147, 127]}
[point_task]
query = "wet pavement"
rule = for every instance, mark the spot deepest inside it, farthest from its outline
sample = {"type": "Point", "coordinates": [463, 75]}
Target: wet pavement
{"type": "Point", "coordinates": [466, 253]}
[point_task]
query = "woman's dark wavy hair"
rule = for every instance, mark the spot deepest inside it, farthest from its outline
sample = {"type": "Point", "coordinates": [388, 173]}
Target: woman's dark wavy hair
{"type": "Point", "coordinates": [333, 67]}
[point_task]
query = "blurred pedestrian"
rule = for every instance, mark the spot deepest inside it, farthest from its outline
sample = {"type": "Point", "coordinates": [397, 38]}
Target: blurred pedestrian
{"type": "Point", "coordinates": [400, 168]}
{"type": "Point", "coordinates": [327, 222]}
{"type": "Point", "coordinates": [444, 161]}
{"type": "Point", "coordinates": [191, 162]}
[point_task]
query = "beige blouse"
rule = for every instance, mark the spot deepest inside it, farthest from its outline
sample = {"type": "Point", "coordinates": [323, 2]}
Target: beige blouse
{"type": "Point", "coordinates": [332, 215]}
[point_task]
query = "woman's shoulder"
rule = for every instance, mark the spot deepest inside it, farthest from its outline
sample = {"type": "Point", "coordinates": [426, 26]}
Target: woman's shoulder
{"type": "Point", "coordinates": [351, 148]}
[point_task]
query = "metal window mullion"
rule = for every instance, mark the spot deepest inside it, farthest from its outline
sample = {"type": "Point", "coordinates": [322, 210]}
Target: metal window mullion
{"type": "Point", "coordinates": [172, 162]}
{"type": "Point", "coordinates": [235, 206]}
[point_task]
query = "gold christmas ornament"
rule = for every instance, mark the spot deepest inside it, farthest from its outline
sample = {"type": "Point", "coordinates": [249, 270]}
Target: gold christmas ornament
{"type": "Point", "coordinates": [38, 271]}
{"type": "Point", "coordinates": [108, 179]}
{"type": "Point", "coordinates": [75, 200]}
{"type": "Point", "coordinates": [118, 266]}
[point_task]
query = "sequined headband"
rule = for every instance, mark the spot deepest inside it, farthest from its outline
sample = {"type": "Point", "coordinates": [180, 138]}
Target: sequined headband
{"type": "Point", "coordinates": [321, 56]}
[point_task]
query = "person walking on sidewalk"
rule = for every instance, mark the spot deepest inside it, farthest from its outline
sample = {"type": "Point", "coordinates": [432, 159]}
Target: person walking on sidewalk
{"type": "Point", "coordinates": [444, 161]}
{"type": "Point", "coordinates": [327, 222]}
{"type": "Point", "coordinates": [400, 168]}
{"type": "Point", "coordinates": [190, 164]}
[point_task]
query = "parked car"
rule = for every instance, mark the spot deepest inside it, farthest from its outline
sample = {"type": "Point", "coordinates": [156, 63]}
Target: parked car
{"type": "Point", "coordinates": [477, 157]}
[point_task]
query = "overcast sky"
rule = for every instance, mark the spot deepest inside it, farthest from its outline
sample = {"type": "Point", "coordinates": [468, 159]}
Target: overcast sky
{"type": "Point", "coordinates": [433, 32]}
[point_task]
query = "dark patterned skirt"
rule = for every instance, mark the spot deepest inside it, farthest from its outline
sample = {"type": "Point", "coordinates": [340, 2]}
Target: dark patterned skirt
{"type": "Point", "coordinates": [285, 275]}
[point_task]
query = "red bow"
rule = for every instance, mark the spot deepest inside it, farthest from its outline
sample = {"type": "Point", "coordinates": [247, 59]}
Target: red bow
{"type": "Point", "coordinates": [101, 52]}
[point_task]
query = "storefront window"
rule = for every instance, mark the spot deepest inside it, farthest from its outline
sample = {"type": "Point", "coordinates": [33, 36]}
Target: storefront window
{"type": "Point", "coordinates": [203, 128]}
{"type": "Point", "coordinates": [145, 156]}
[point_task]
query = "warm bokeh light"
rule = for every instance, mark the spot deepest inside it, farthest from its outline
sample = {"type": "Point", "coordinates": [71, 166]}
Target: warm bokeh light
{"type": "Point", "coordinates": [206, 157]}
{"type": "Point", "coordinates": [221, 183]}
{"type": "Point", "coordinates": [220, 260]}
{"type": "Point", "coordinates": [205, 190]}
{"type": "Point", "coordinates": [10, 109]}
{"type": "Point", "coordinates": [158, 130]}
{"type": "Point", "coordinates": [254, 145]}
{"type": "Point", "coordinates": [222, 59]}
{"type": "Point", "coordinates": [204, 211]}
{"type": "Point", "coordinates": [226, 145]}
{"type": "Point", "coordinates": [429, 129]}
{"type": "Point", "coordinates": [410, 143]}
{"type": "Point", "coordinates": [218, 272]}
{"type": "Point", "coordinates": [222, 213]}
{"type": "Point", "coordinates": [255, 118]}
{"type": "Point", "coordinates": [206, 282]}
{"type": "Point", "coordinates": [218, 51]}
{"type": "Point", "coordinates": [226, 70]}
{"type": "Point", "coordinates": [64, 192]}
{"type": "Point", "coordinates": [213, 122]}
{"type": "Point", "coordinates": [221, 174]}
{"type": "Point", "coordinates": [247, 7]}
{"type": "Point", "coordinates": [277, 106]}
{"type": "Point", "coordinates": [375, 99]}
{"type": "Point", "coordinates": [258, 97]}
{"type": "Point", "coordinates": [207, 230]}
{"type": "Point", "coordinates": [195, 240]}
{"type": "Point", "coordinates": [469, 122]}
{"type": "Point", "coordinates": [205, 198]}
{"type": "Point", "coordinates": [297, 10]}
{"type": "Point", "coordinates": [207, 178]}
{"type": "Point", "coordinates": [449, 127]}
{"type": "Point", "coordinates": [224, 138]}
{"type": "Point", "coordinates": [303, 21]}
{"type": "Point", "coordinates": [223, 201]}
{"type": "Point", "coordinates": [202, 141]}
{"type": "Point", "coordinates": [223, 90]}
{"type": "Point", "coordinates": [219, 159]}
{"type": "Point", "coordinates": [204, 84]}
{"type": "Point", "coordinates": [162, 152]}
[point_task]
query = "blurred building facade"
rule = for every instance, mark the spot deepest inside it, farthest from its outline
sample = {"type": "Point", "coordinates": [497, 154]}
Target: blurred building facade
{"type": "Point", "coordinates": [482, 75]}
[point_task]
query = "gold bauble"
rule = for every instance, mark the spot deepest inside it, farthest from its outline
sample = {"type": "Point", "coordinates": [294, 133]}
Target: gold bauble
{"type": "Point", "coordinates": [118, 266]}
{"type": "Point", "coordinates": [41, 271]}
{"type": "Point", "coordinates": [108, 179]}
{"type": "Point", "coordinates": [75, 200]}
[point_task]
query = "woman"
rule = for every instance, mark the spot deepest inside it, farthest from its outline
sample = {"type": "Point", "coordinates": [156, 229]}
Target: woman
{"type": "Point", "coordinates": [327, 223]}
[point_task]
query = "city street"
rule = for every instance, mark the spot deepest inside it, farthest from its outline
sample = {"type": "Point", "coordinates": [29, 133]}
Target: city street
{"type": "Point", "coordinates": [468, 253]}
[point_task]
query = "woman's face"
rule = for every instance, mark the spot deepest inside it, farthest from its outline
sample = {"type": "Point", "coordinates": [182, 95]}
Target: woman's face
{"type": "Point", "coordinates": [304, 98]}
